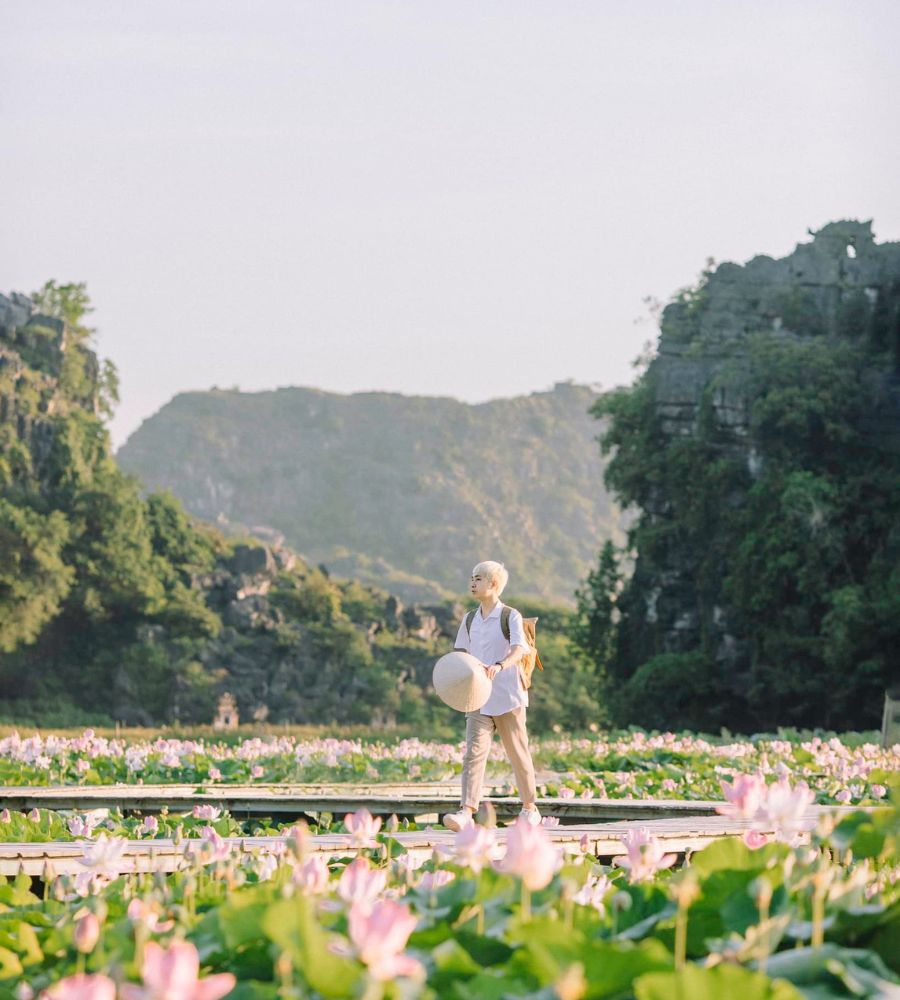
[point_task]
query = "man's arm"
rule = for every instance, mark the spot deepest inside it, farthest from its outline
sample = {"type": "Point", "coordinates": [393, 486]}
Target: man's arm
{"type": "Point", "coordinates": [510, 660]}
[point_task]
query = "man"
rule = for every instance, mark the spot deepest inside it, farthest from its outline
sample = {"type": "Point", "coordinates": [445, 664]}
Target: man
{"type": "Point", "coordinates": [505, 708]}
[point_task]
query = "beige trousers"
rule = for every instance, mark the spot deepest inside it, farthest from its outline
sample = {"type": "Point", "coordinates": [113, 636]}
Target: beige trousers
{"type": "Point", "coordinates": [479, 736]}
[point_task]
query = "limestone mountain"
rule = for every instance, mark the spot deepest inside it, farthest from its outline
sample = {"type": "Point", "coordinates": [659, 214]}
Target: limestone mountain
{"type": "Point", "coordinates": [761, 451]}
{"type": "Point", "coordinates": [406, 492]}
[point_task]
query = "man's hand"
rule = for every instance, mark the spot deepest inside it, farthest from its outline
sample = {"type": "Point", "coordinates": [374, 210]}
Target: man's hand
{"type": "Point", "coordinates": [493, 670]}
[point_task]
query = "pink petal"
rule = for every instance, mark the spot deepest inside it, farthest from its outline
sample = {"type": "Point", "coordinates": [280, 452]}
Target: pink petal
{"type": "Point", "coordinates": [214, 987]}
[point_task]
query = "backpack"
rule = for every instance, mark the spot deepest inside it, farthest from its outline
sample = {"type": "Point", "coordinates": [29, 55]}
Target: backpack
{"type": "Point", "coordinates": [532, 657]}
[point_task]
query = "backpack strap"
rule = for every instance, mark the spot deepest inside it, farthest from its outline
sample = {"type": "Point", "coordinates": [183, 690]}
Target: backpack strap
{"type": "Point", "coordinates": [504, 621]}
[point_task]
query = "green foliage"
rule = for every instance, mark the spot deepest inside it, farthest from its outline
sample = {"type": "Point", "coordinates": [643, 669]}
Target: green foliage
{"type": "Point", "coordinates": [34, 579]}
{"type": "Point", "coordinates": [673, 690]}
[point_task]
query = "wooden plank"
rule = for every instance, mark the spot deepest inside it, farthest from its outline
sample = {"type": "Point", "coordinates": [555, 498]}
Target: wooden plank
{"type": "Point", "coordinates": [406, 800]}
{"type": "Point", "coordinates": [677, 835]}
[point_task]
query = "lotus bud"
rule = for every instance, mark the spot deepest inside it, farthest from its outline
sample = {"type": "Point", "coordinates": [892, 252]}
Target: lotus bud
{"type": "Point", "coordinates": [761, 891]}
{"type": "Point", "coordinates": [622, 902]}
{"type": "Point", "coordinates": [87, 933]}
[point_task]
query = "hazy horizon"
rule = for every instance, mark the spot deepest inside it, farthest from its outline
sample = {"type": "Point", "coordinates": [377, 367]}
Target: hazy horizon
{"type": "Point", "coordinates": [468, 201]}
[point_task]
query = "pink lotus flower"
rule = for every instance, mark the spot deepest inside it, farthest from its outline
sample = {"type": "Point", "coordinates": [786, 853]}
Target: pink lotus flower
{"type": "Point", "coordinates": [5, 816]}
{"type": "Point", "coordinates": [312, 877]}
{"type": "Point", "coordinates": [593, 892]}
{"type": "Point", "coordinates": [34, 815]}
{"type": "Point", "coordinates": [785, 809]}
{"type": "Point", "coordinates": [148, 913]}
{"type": "Point", "coordinates": [843, 796]}
{"type": "Point", "coordinates": [645, 856]}
{"type": "Point", "coordinates": [360, 883]}
{"type": "Point", "coordinates": [257, 772]}
{"type": "Point", "coordinates": [878, 791]}
{"type": "Point", "coordinates": [174, 974]}
{"type": "Point", "coordinates": [431, 881]}
{"type": "Point", "coordinates": [214, 846]}
{"type": "Point", "coordinates": [362, 827]}
{"type": "Point", "coordinates": [743, 797]}
{"type": "Point", "coordinates": [548, 822]}
{"type": "Point", "coordinates": [82, 987]}
{"type": "Point", "coordinates": [104, 855]}
{"type": "Point", "coordinates": [530, 855]}
{"type": "Point", "coordinates": [207, 812]}
{"type": "Point", "coordinates": [150, 825]}
{"type": "Point", "coordinates": [754, 839]}
{"type": "Point", "coordinates": [81, 827]}
{"type": "Point", "coordinates": [474, 847]}
{"type": "Point", "coordinates": [566, 793]}
{"type": "Point", "coordinates": [215, 774]}
{"type": "Point", "coordinates": [379, 935]}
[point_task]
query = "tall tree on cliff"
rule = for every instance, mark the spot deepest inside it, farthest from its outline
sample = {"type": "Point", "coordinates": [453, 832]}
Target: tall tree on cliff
{"type": "Point", "coordinates": [762, 448]}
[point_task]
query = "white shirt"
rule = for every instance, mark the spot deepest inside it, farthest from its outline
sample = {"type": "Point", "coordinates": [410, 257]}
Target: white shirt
{"type": "Point", "coordinates": [487, 644]}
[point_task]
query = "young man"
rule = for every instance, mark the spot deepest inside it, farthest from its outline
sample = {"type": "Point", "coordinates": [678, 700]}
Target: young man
{"type": "Point", "coordinates": [505, 708]}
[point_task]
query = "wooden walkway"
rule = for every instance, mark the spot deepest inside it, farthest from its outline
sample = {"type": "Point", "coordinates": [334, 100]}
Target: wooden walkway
{"type": "Point", "coordinates": [413, 801]}
{"type": "Point", "coordinates": [676, 834]}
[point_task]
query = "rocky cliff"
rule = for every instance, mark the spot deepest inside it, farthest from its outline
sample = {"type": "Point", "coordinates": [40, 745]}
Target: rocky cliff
{"type": "Point", "coordinates": [761, 446]}
{"type": "Point", "coordinates": [403, 492]}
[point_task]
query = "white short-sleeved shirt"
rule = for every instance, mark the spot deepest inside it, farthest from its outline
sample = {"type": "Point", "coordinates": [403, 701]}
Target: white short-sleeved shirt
{"type": "Point", "coordinates": [487, 643]}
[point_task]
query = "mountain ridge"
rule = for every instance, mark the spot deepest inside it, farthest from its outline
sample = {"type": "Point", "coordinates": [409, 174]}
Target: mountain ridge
{"type": "Point", "coordinates": [386, 487]}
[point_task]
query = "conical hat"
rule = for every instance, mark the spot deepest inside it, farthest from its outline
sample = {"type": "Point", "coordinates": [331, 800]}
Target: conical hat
{"type": "Point", "coordinates": [460, 681]}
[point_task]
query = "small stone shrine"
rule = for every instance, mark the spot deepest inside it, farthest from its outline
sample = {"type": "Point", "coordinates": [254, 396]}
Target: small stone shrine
{"type": "Point", "coordinates": [226, 713]}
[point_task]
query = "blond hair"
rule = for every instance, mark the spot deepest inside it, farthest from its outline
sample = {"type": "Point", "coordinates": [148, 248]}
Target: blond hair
{"type": "Point", "coordinates": [497, 572]}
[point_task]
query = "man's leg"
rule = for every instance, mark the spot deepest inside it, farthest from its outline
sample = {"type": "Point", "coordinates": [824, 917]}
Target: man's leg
{"type": "Point", "coordinates": [511, 726]}
{"type": "Point", "coordinates": [479, 735]}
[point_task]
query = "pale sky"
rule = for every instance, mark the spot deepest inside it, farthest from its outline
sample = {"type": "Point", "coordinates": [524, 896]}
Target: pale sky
{"type": "Point", "coordinates": [444, 198]}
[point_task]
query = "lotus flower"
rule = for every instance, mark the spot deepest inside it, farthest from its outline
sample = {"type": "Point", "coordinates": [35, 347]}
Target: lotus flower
{"type": "Point", "coordinates": [360, 883]}
{"type": "Point", "coordinates": [362, 827]}
{"type": "Point", "coordinates": [82, 987]}
{"type": "Point", "coordinates": [431, 881]}
{"type": "Point", "coordinates": [743, 797]}
{"type": "Point", "coordinates": [312, 876]}
{"type": "Point", "coordinates": [593, 892]}
{"type": "Point", "coordinates": [216, 847]}
{"type": "Point", "coordinates": [474, 847]}
{"type": "Point", "coordinates": [103, 856]}
{"type": "Point", "coordinates": [530, 855]}
{"type": "Point", "coordinates": [81, 826]}
{"type": "Point", "coordinates": [174, 974]}
{"type": "Point", "coordinates": [379, 935]}
{"type": "Point", "coordinates": [785, 808]}
{"type": "Point", "coordinates": [645, 856]}
{"type": "Point", "coordinates": [207, 812]}
{"type": "Point", "coordinates": [150, 825]}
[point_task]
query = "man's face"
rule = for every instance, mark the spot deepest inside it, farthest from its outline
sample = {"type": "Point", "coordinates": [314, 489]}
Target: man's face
{"type": "Point", "coordinates": [482, 586]}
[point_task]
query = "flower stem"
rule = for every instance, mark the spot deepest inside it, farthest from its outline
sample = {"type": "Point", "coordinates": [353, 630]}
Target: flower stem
{"type": "Point", "coordinates": [818, 915]}
{"type": "Point", "coordinates": [526, 903]}
{"type": "Point", "coordinates": [680, 936]}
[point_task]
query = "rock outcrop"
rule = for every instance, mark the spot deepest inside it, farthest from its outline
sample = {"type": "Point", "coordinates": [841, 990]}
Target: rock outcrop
{"type": "Point", "coordinates": [837, 285]}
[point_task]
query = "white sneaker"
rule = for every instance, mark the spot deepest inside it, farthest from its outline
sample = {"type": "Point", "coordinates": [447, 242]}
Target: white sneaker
{"type": "Point", "coordinates": [532, 815]}
{"type": "Point", "coordinates": [459, 820]}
